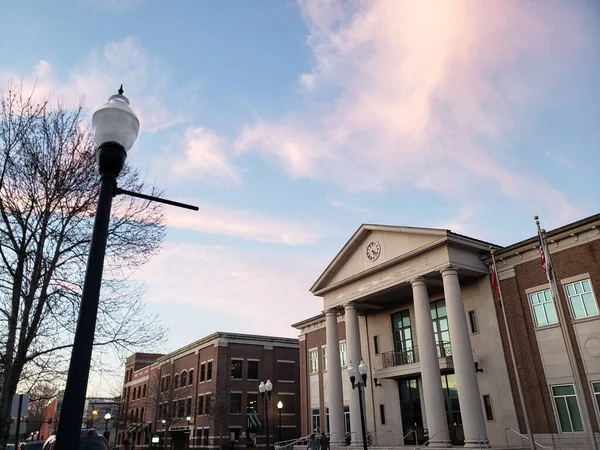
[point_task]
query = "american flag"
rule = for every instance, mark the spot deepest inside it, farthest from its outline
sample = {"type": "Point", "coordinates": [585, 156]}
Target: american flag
{"type": "Point", "coordinates": [495, 286]}
{"type": "Point", "coordinates": [545, 265]}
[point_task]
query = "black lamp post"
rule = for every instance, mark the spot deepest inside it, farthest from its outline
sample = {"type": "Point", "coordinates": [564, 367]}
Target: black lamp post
{"type": "Point", "coordinates": [115, 127]}
{"type": "Point", "coordinates": [266, 388]}
{"type": "Point", "coordinates": [279, 408]}
{"type": "Point", "coordinates": [107, 417]}
{"type": "Point", "coordinates": [360, 385]}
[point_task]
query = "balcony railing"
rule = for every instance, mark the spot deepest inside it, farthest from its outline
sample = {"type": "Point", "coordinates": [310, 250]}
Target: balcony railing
{"type": "Point", "coordinates": [410, 356]}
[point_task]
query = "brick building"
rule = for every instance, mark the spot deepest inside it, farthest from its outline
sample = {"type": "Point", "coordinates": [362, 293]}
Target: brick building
{"type": "Point", "coordinates": [213, 382]}
{"type": "Point", "coordinates": [416, 305]}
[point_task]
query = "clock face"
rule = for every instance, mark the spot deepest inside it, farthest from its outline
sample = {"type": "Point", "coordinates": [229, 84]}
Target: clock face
{"type": "Point", "coordinates": [373, 251]}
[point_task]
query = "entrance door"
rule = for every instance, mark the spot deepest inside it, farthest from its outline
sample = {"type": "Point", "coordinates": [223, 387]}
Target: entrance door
{"type": "Point", "coordinates": [410, 406]}
{"type": "Point", "coordinates": [455, 426]}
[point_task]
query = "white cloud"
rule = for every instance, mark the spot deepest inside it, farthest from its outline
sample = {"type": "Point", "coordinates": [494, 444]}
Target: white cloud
{"type": "Point", "coordinates": [418, 86]}
{"type": "Point", "coordinates": [114, 6]}
{"type": "Point", "coordinates": [99, 75]}
{"type": "Point", "coordinates": [244, 224]}
{"type": "Point", "coordinates": [242, 284]}
{"type": "Point", "coordinates": [339, 204]}
{"type": "Point", "coordinates": [205, 158]}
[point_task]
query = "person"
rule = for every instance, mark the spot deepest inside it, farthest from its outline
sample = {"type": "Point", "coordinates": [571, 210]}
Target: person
{"type": "Point", "coordinates": [324, 441]}
{"type": "Point", "coordinates": [312, 443]}
{"type": "Point", "coordinates": [318, 439]}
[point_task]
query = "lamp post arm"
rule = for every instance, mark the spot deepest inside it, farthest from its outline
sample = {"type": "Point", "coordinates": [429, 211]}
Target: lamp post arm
{"type": "Point", "coordinates": [152, 198]}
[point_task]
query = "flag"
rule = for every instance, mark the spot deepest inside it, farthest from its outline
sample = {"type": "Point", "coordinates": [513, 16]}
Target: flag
{"type": "Point", "coordinates": [495, 286]}
{"type": "Point", "coordinates": [544, 259]}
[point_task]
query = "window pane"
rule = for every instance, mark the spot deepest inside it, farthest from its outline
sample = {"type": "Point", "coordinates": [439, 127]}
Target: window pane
{"type": "Point", "coordinates": [590, 304]}
{"type": "Point", "coordinates": [533, 299]}
{"type": "Point", "coordinates": [586, 286]}
{"type": "Point", "coordinates": [563, 390]}
{"type": "Point", "coordinates": [577, 288]}
{"type": "Point", "coordinates": [252, 403]}
{"type": "Point", "coordinates": [540, 315]}
{"type": "Point", "coordinates": [596, 386]}
{"type": "Point", "coordinates": [550, 312]}
{"type": "Point", "coordinates": [563, 415]}
{"type": "Point", "coordinates": [577, 306]}
{"type": "Point", "coordinates": [235, 405]}
{"type": "Point", "coordinates": [236, 369]}
{"type": "Point", "coordinates": [547, 295]}
{"type": "Point", "coordinates": [202, 371]}
{"type": "Point", "coordinates": [209, 370]}
{"type": "Point", "coordinates": [200, 405]}
{"type": "Point", "coordinates": [575, 415]}
{"type": "Point", "coordinates": [441, 308]}
{"type": "Point", "coordinates": [406, 319]}
{"type": "Point", "coordinates": [253, 370]}
{"type": "Point", "coordinates": [570, 290]}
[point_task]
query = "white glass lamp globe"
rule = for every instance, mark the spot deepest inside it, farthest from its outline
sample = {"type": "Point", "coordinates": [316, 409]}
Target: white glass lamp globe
{"type": "Point", "coordinates": [362, 368]}
{"type": "Point", "coordinates": [261, 387]}
{"type": "Point", "coordinates": [107, 416]}
{"type": "Point", "coordinates": [279, 404]}
{"type": "Point", "coordinates": [116, 122]}
{"type": "Point", "coordinates": [269, 386]}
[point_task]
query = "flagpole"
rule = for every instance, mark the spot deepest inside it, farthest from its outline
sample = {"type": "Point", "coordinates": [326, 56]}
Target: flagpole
{"type": "Point", "coordinates": [562, 322]}
{"type": "Point", "coordinates": [512, 355]}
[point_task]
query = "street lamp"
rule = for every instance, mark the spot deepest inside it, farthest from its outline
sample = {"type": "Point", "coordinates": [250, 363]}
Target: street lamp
{"type": "Point", "coordinates": [115, 127]}
{"type": "Point", "coordinates": [164, 423]}
{"type": "Point", "coordinates": [266, 388]}
{"type": "Point", "coordinates": [360, 385]}
{"type": "Point", "coordinates": [107, 417]}
{"type": "Point", "coordinates": [279, 408]}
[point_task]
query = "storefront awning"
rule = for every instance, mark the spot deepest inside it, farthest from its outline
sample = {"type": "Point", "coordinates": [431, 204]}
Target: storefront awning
{"type": "Point", "coordinates": [253, 420]}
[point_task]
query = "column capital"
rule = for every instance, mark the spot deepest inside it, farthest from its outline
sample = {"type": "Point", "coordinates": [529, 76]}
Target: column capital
{"type": "Point", "coordinates": [331, 312]}
{"type": "Point", "coordinates": [349, 306]}
{"type": "Point", "coordinates": [418, 281]}
{"type": "Point", "coordinates": [449, 270]}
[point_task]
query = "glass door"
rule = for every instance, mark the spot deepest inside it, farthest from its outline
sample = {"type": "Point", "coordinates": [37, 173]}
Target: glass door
{"type": "Point", "coordinates": [410, 406]}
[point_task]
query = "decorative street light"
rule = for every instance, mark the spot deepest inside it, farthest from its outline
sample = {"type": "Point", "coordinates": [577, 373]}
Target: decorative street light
{"type": "Point", "coordinates": [279, 408]}
{"type": "Point", "coordinates": [266, 388]}
{"type": "Point", "coordinates": [107, 417]}
{"type": "Point", "coordinates": [360, 385]}
{"type": "Point", "coordinates": [115, 127]}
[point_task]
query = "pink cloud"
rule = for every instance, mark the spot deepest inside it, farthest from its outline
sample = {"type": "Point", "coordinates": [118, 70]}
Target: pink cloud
{"type": "Point", "coordinates": [419, 85]}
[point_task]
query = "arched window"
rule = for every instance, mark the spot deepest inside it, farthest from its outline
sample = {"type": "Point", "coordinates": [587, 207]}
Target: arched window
{"type": "Point", "coordinates": [137, 415]}
{"type": "Point", "coordinates": [139, 392]}
{"type": "Point", "coordinates": [142, 415]}
{"type": "Point", "coordinates": [191, 377]}
{"type": "Point", "coordinates": [183, 378]}
{"type": "Point", "coordinates": [144, 392]}
{"type": "Point", "coordinates": [176, 381]}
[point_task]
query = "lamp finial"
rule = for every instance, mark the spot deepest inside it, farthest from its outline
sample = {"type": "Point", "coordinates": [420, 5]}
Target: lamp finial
{"type": "Point", "coordinates": [120, 91]}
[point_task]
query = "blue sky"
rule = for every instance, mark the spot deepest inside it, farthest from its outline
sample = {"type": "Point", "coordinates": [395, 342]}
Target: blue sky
{"type": "Point", "coordinates": [290, 123]}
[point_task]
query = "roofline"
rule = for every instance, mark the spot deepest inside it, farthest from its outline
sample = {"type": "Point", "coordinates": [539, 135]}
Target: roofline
{"type": "Point", "coordinates": [226, 335]}
{"type": "Point", "coordinates": [557, 232]}
{"type": "Point", "coordinates": [302, 323]}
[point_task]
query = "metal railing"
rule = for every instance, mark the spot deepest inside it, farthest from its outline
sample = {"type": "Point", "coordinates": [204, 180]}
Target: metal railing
{"type": "Point", "coordinates": [481, 442]}
{"type": "Point", "coordinates": [431, 437]}
{"type": "Point", "coordinates": [522, 436]}
{"type": "Point", "coordinates": [411, 355]}
{"type": "Point", "coordinates": [289, 444]}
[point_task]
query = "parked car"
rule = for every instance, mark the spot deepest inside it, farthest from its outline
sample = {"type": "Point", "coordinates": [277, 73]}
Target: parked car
{"type": "Point", "coordinates": [31, 445]}
{"type": "Point", "coordinates": [89, 440]}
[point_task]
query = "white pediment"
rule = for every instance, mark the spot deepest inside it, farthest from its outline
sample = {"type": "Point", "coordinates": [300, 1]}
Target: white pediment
{"type": "Point", "coordinates": [392, 242]}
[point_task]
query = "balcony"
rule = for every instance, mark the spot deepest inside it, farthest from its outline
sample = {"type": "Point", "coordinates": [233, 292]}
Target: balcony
{"type": "Point", "coordinates": [406, 363]}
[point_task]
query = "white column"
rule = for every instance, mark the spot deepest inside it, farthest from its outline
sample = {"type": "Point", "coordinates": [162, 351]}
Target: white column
{"type": "Point", "coordinates": [353, 349]}
{"type": "Point", "coordinates": [433, 397]}
{"type": "Point", "coordinates": [464, 366]}
{"type": "Point", "coordinates": [335, 398]}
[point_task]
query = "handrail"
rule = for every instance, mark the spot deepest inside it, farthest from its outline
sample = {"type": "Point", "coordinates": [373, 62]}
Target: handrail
{"type": "Point", "coordinates": [408, 434]}
{"type": "Point", "coordinates": [384, 435]}
{"type": "Point", "coordinates": [429, 440]}
{"type": "Point", "coordinates": [479, 441]}
{"type": "Point", "coordinates": [291, 441]}
{"type": "Point", "coordinates": [522, 436]}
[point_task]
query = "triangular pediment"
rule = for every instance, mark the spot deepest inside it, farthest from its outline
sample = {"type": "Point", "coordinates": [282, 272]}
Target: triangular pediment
{"type": "Point", "coordinates": [373, 245]}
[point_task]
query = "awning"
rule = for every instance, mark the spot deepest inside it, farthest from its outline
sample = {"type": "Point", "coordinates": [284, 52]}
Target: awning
{"type": "Point", "coordinates": [253, 420]}
{"type": "Point", "coordinates": [145, 428]}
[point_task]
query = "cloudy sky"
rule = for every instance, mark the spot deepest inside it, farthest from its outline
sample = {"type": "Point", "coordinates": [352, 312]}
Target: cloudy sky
{"type": "Point", "coordinates": [290, 123]}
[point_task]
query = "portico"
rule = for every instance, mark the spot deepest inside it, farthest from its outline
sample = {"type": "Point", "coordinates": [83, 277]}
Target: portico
{"type": "Point", "coordinates": [419, 273]}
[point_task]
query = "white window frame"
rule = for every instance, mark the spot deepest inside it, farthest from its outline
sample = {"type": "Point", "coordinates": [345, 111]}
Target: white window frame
{"type": "Point", "coordinates": [555, 406]}
{"type": "Point", "coordinates": [532, 306]}
{"type": "Point", "coordinates": [344, 360]}
{"type": "Point", "coordinates": [579, 298]}
{"type": "Point", "coordinates": [596, 395]}
{"type": "Point", "coordinates": [324, 357]}
{"type": "Point", "coordinates": [313, 362]}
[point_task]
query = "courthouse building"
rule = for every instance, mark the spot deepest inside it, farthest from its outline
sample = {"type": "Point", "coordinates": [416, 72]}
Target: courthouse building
{"type": "Point", "coordinates": [207, 393]}
{"type": "Point", "coordinates": [416, 304]}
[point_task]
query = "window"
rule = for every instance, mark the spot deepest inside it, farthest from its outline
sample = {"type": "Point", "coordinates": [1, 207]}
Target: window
{"type": "Point", "coordinates": [543, 308]}
{"type": "Point", "coordinates": [403, 339]}
{"type": "Point", "coordinates": [142, 415]}
{"type": "Point", "coordinates": [581, 299]}
{"type": "Point", "coordinates": [596, 389]}
{"type": "Point", "coordinates": [252, 403]}
{"type": "Point", "coordinates": [162, 384]}
{"type": "Point", "coordinates": [327, 420]}
{"type": "Point", "coordinates": [205, 435]}
{"type": "Point", "coordinates": [181, 408]}
{"type": "Point", "coordinates": [202, 372]}
{"type": "Point", "coordinates": [382, 414]}
{"type": "Point", "coordinates": [188, 407]}
{"type": "Point", "coordinates": [314, 361]}
{"type": "Point", "coordinates": [567, 408]}
{"type": "Point", "coordinates": [235, 403]}
{"type": "Point", "coordinates": [173, 412]}
{"type": "Point", "coordinates": [487, 404]}
{"type": "Point", "coordinates": [191, 377]}
{"type": "Point", "coordinates": [439, 320]}
{"type": "Point", "coordinates": [183, 378]}
{"type": "Point", "coordinates": [167, 382]}
{"type": "Point", "coordinates": [342, 354]}
{"type": "Point", "coordinates": [236, 369]}
{"type": "Point", "coordinates": [144, 392]}
{"type": "Point", "coordinates": [207, 404]}
{"type": "Point", "coordinates": [316, 420]}
{"type": "Point", "coordinates": [473, 322]}
{"type": "Point", "coordinates": [376, 344]}
{"type": "Point", "coordinates": [200, 406]}
{"type": "Point", "coordinates": [347, 419]}
{"type": "Point", "coordinates": [176, 381]}
{"type": "Point", "coordinates": [253, 370]}
{"type": "Point", "coordinates": [324, 352]}
{"type": "Point", "coordinates": [209, 370]}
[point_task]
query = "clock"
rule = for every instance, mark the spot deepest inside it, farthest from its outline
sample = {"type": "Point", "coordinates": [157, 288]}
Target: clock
{"type": "Point", "coordinates": [373, 251]}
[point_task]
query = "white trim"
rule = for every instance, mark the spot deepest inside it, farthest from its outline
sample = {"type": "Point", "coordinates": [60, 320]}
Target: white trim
{"type": "Point", "coordinates": [253, 359]}
{"type": "Point", "coordinates": [286, 361]}
{"type": "Point", "coordinates": [286, 393]}
{"type": "Point", "coordinates": [285, 381]}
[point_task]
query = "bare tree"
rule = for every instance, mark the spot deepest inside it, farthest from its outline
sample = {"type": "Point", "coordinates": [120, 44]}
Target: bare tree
{"type": "Point", "coordinates": [218, 404]}
{"type": "Point", "coordinates": [48, 198]}
{"type": "Point", "coordinates": [162, 399]}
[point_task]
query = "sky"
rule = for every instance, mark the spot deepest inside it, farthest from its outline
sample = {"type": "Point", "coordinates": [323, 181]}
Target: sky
{"type": "Point", "coordinates": [291, 123]}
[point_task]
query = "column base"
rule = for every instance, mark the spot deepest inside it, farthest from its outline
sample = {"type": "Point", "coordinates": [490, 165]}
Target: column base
{"type": "Point", "coordinates": [477, 444]}
{"type": "Point", "coordinates": [439, 444]}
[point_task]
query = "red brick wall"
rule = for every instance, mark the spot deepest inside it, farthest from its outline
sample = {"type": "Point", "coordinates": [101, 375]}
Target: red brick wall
{"type": "Point", "coordinates": [584, 258]}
